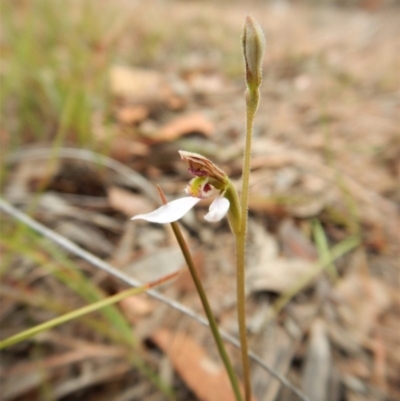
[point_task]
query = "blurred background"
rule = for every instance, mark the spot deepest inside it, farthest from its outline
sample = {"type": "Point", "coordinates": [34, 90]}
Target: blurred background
{"type": "Point", "coordinates": [98, 96]}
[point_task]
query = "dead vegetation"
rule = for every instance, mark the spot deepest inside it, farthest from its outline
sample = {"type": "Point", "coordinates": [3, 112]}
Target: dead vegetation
{"type": "Point", "coordinates": [323, 271]}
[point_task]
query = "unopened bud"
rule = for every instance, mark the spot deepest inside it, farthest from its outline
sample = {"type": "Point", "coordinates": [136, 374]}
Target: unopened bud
{"type": "Point", "coordinates": [253, 48]}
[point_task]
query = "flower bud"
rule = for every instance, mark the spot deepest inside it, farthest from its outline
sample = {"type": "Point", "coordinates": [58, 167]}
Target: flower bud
{"type": "Point", "coordinates": [253, 42]}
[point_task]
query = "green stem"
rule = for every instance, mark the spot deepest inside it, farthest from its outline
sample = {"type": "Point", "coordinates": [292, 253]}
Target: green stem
{"type": "Point", "coordinates": [207, 309]}
{"type": "Point", "coordinates": [252, 98]}
{"type": "Point", "coordinates": [67, 317]}
{"type": "Point", "coordinates": [241, 311]}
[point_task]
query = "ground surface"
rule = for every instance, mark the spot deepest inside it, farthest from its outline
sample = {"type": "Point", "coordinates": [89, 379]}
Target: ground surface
{"type": "Point", "coordinates": [139, 81]}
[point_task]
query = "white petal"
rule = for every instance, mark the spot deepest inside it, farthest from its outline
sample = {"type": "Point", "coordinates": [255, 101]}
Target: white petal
{"type": "Point", "coordinates": [170, 212]}
{"type": "Point", "coordinates": [218, 209]}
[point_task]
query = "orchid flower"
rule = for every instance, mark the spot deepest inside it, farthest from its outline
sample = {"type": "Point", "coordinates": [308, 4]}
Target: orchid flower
{"type": "Point", "coordinates": [209, 180]}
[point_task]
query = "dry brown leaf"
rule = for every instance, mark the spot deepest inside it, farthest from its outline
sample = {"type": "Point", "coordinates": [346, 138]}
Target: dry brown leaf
{"type": "Point", "coordinates": [206, 84]}
{"type": "Point", "coordinates": [311, 207]}
{"type": "Point", "coordinates": [185, 283]}
{"type": "Point", "coordinates": [276, 347]}
{"type": "Point", "coordinates": [267, 270]}
{"type": "Point", "coordinates": [26, 376]}
{"type": "Point", "coordinates": [90, 237]}
{"type": "Point", "coordinates": [202, 375]}
{"type": "Point", "coordinates": [128, 202]}
{"type": "Point", "coordinates": [135, 84]}
{"type": "Point", "coordinates": [136, 306]}
{"type": "Point", "coordinates": [97, 375]}
{"type": "Point", "coordinates": [295, 243]}
{"type": "Point", "coordinates": [157, 263]}
{"type": "Point", "coordinates": [354, 367]}
{"type": "Point", "coordinates": [193, 123]}
{"type": "Point", "coordinates": [318, 363]}
{"type": "Point", "coordinates": [123, 149]}
{"type": "Point", "coordinates": [264, 204]}
{"type": "Point", "coordinates": [132, 114]}
{"type": "Point", "coordinates": [31, 175]}
{"type": "Point", "coordinates": [278, 275]}
{"type": "Point", "coordinates": [363, 299]}
{"type": "Point", "coordinates": [55, 206]}
{"type": "Point", "coordinates": [368, 173]}
{"type": "Point", "coordinates": [146, 87]}
{"type": "Point", "coordinates": [175, 102]}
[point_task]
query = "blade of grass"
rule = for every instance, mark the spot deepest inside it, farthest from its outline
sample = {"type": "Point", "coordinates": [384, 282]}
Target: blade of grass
{"type": "Point", "coordinates": [70, 275]}
{"type": "Point", "coordinates": [337, 251]}
{"type": "Point", "coordinates": [56, 53]}
{"type": "Point", "coordinates": [102, 265]}
{"type": "Point", "coordinates": [116, 328]}
{"type": "Point", "coordinates": [24, 295]}
{"type": "Point", "coordinates": [323, 249]}
{"type": "Point", "coordinates": [24, 335]}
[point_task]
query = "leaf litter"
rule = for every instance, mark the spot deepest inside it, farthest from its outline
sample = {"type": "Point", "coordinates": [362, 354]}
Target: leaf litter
{"type": "Point", "coordinates": [325, 147]}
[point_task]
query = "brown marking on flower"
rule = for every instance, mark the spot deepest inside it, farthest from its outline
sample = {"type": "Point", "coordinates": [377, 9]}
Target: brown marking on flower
{"type": "Point", "coordinates": [200, 166]}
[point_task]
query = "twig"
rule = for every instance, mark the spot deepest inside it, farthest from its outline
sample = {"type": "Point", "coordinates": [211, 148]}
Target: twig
{"type": "Point", "coordinates": [97, 262]}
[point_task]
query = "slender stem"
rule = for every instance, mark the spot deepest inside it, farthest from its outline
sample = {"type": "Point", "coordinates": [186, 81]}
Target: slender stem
{"type": "Point", "coordinates": [252, 98]}
{"type": "Point", "coordinates": [207, 309]}
{"type": "Point", "coordinates": [241, 311]}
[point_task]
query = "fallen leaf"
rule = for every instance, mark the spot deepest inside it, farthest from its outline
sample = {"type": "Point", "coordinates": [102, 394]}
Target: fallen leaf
{"type": "Point", "coordinates": [128, 202]}
{"type": "Point", "coordinates": [206, 84]}
{"type": "Point", "coordinates": [277, 347]}
{"type": "Point", "coordinates": [202, 375]}
{"type": "Point", "coordinates": [295, 243]}
{"type": "Point", "coordinates": [132, 114]}
{"type": "Point", "coordinates": [193, 123]}
{"type": "Point", "coordinates": [31, 175]}
{"type": "Point", "coordinates": [91, 238]}
{"type": "Point", "coordinates": [124, 149]}
{"type": "Point", "coordinates": [156, 264]}
{"type": "Point", "coordinates": [147, 87]}
{"type": "Point", "coordinates": [278, 275]}
{"type": "Point", "coordinates": [185, 283]}
{"type": "Point", "coordinates": [27, 376]}
{"type": "Point", "coordinates": [136, 306]}
{"type": "Point", "coordinates": [362, 300]}
{"type": "Point", "coordinates": [318, 363]}
{"type": "Point", "coordinates": [135, 84]}
{"type": "Point", "coordinates": [267, 270]}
